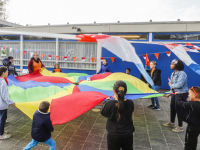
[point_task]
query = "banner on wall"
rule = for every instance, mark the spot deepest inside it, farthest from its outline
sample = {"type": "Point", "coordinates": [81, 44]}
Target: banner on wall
{"type": "Point", "coordinates": [112, 59]}
{"type": "Point", "coordinates": [57, 57]}
{"type": "Point", "coordinates": [24, 52]}
{"type": "Point", "coordinates": [83, 59]}
{"type": "Point", "coordinates": [3, 51]}
{"type": "Point", "coordinates": [50, 56]}
{"type": "Point", "coordinates": [42, 55]}
{"type": "Point", "coordinates": [74, 59]}
{"type": "Point", "coordinates": [11, 50]}
{"type": "Point", "coordinates": [147, 60]}
{"type": "Point", "coordinates": [168, 53]}
{"type": "Point", "coordinates": [16, 51]}
{"type": "Point", "coordinates": [93, 58]}
{"type": "Point", "coordinates": [65, 57]}
{"type": "Point", "coordinates": [156, 55]}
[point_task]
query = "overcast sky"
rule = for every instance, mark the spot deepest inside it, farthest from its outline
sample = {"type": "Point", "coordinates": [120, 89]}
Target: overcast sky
{"type": "Point", "coordinates": [42, 12]}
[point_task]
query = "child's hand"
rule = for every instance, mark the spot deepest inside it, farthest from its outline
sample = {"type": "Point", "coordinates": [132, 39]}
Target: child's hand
{"type": "Point", "coordinates": [167, 95]}
{"type": "Point", "coordinates": [177, 93]}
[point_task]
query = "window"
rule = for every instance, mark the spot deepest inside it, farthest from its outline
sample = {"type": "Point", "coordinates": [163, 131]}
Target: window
{"type": "Point", "coordinates": [132, 37]}
{"type": "Point", "coordinates": [12, 49]}
{"type": "Point", "coordinates": [9, 37]}
{"type": "Point", "coordinates": [46, 48]}
{"type": "Point", "coordinates": [78, 50]}
{"type": "Point", "coordinates": [26, 37]}
{"type": "Point", "coordinates": [177, 36]}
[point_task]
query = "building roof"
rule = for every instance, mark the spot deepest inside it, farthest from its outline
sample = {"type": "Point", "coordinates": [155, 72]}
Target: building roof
{"type": "Point", "coordinates": [4, 23]}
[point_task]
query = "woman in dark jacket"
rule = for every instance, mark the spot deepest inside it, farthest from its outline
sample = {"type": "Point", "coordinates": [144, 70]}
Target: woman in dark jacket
{"type": "Point", "coordinates": [156, 77]}
{"type": "Point", "coordinates": [35, 63]}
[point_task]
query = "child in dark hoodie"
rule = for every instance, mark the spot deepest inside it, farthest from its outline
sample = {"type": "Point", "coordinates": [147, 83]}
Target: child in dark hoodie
{"type": "Point", "coordinates": [42, 127]}
{"type": "Point", "coordinates": [11, 67]}
{"type": "Point", "coordinates": [191, 115]}
{"type": "Point", "coordinates": [104, 68]}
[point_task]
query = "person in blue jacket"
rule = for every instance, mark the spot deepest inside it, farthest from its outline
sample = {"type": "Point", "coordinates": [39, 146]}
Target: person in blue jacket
{"type": "Point", "coordinates": [104, 68]}
{"type": "Point", "coordinates": [42, 127]}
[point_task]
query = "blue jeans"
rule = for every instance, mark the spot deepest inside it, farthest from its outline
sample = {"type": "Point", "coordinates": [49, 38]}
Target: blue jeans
{"type": "Point", "coordinates": [157, 88]}
{"type": "Point", "coordinates": [33, 143]}
{"type": "Point", "coordinates": [3, 117]}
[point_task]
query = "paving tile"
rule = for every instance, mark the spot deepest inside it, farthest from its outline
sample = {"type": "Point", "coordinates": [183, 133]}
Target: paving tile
{"type": "Point", "coordinates": [73, 146]}
{"type": "Point", "coordinates": [94, 138]}
{"type": "Point", "coordinates": [141, 143]}
{"type": "Point", "coordinates": [78, 139]}
{"type": "Point", "coordinates": [98, 132]}
{"type": "Point", "coordinates": [91, 146]}
{"type": "Point", "coordinates": [158, 142]}
{"type": "Point", "coordinates": [82, 132]}
{"type": "Point", "coordinates": [175, 147]}
{"type": "Point", "coordinates": [176, 141]}
{"type": "Point", "coordinates": [61, 141]}
{"type": "Point", "coordinates": [8, 143]}
{"type": "Point", "coordinates": [156, 134]}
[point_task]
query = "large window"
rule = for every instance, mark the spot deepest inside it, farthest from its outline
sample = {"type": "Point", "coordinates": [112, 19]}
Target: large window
{"type": "Point", "coordinates": [10, 37]}
{"type": "Point", "coordinates": [78, 50]}
{"type": "Point", "coordinates": [176, 36]}
{"type": "Point", "coordinates": [36, 38]}
{"type": "Point", "coordinates": [45, 48]}
{"type": "Point", "coordinates": [12, 49]}
{"type": "Point", "coordinates": [131, 36]}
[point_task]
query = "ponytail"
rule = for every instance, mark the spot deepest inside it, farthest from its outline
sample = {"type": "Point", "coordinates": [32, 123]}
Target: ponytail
{"type": "Point", "coordinates": [121, 88]}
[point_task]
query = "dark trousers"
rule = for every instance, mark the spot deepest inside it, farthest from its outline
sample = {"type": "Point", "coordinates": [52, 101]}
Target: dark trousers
{"type": "Point", "coordinates": [191, 137]}
{"type": "Point", "coordinates": [117, 142]}
{"type": "Point", "coordinates": [3, 117]}
{"type": "Point", "coordinates": [176, 109]}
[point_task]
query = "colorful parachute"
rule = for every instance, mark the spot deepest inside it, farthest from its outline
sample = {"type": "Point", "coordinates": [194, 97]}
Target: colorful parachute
{"type": "Point", "coordinates": [70, 95]}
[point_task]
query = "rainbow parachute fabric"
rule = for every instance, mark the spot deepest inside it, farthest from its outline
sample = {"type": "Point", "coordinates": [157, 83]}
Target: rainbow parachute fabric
{"type": "Point", "coordinates": [70, 94]}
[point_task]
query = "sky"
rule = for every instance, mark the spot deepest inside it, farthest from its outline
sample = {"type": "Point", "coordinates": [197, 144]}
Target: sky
{"type": "Point", "coordinates": [58, 12]}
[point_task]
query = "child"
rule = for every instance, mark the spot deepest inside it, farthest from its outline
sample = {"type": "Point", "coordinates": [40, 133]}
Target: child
{"type": "Point", "coordinates": [42, 127]}
{"type": "Point", "coordinates": [119, 123]}
{"type": "Point", "coordinates": [128, 70]}
{"type": "Point", "coordinates": [191, 115]}
{"type": "Point", "coordinates": [155, 75]}
{"type": "Point", "coordinates": [57, 68]}
{"type": "Point", "coordinates": [4, 102]}
{"type": "Point", "coordinates": [11, 67]}
{"type": "Point", "coordinates": [177, 83]}
{"type": "Point", "coordinates": [104, 68]}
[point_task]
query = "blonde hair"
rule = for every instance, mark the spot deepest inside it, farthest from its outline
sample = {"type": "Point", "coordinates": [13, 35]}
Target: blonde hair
{"type": "Point", "coordinates": [154, 62]}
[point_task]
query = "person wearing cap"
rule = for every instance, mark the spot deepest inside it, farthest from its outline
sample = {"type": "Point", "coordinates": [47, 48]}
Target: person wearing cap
{"type": "Point", "coordinates": [35, 63]}
{"type": "Point", "coordinates": [178, 84]}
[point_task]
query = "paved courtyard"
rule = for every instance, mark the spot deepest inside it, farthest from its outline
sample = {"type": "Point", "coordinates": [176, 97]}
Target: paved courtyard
{"type": "Point", "coordinates": [87, 132]}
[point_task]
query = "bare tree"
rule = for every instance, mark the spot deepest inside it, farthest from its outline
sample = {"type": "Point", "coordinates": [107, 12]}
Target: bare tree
{"type": "Point", "coordinates": [3, 13]}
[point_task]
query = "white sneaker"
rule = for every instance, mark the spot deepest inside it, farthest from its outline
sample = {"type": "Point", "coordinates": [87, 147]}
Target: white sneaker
{"type": "Point", "coordinates": [5, 136]}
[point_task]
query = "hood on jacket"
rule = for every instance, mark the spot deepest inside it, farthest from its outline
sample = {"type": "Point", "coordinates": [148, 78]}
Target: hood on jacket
{"type": "Point", "coordinates": [6, 62]}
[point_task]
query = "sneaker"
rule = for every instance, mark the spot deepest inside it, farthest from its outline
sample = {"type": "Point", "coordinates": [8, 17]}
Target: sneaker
{"type": "Point", "coordinates": [156, 108]}
{"type": "Point", "coordinates": [5, 136]}
{"type": "Point", "coordinates": [178, 129]}
{"type": "Point", "coordinates": [150, 106]}
{"type": "Point", "coordinates": [169, 124]}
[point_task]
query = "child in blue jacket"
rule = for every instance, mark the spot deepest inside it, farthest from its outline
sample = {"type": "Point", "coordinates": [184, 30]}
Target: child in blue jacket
{"type": "Point", "coordinates": [4, 102]}
{"type": "Point", "coordinates": [42, 127]}
{"type": "Point", "coordinates": [104, 68]}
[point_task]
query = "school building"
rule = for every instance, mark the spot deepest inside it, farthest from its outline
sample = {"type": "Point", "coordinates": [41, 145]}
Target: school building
{"type": "Point", "coordinates": [140, 34]}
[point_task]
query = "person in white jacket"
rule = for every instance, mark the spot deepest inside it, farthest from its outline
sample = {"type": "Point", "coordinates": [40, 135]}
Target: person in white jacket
{"type": "Point", "coordinates": [4, 102]}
